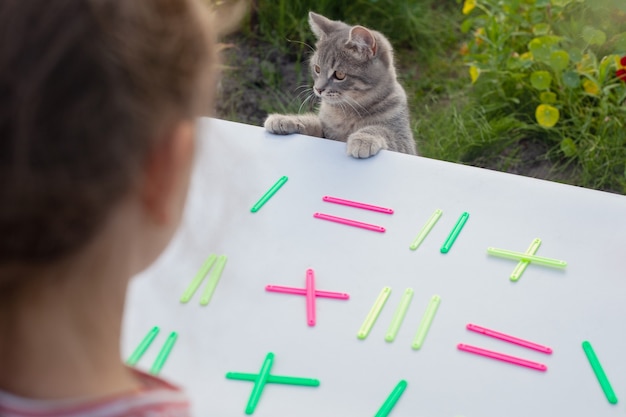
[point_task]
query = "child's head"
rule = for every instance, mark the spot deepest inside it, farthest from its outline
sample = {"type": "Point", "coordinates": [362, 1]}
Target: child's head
{"type": "Point", "coordinates": [89, 92]}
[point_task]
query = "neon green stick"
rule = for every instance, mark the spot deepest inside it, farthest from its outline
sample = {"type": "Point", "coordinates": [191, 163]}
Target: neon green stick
{"type": "Point", "coordinates": [143, 346]}
{"type": "Point", "coordinates": [519, 256]}
{"type": "Point", "coordinates": [427, 320]}
{"type": "Point", "coordinates": [398, 316]}
{"type": "Point", "coordinates": [521, 266]}
{"type": "Point", "coordinates": [275, 379]}
{"type": "Point", "coordinates": [214, 278]}
{"type": "Point", "coordinates": [367, 325]}
{"type": "Point", "coordinates": [393, 398]}
{"type": "Point", "coordinates": [269, 194]}
{"type": "Point", "coordinates": [434, 218]}
{"type": "Point", "coordinates": [164, 353]}
{"type": "Point", "coordinates": [597, 369]}
{"type": "Point", "coordinates": [447, 245]}
{"type": "Point", "coordinates": [197, 280]}
{"type": "Point", "coordinates": [259, 383]}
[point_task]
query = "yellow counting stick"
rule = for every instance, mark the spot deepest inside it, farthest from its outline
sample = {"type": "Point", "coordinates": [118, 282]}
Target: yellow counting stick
{"type": "Point", "coordinates": [521, 266]}
{"type": "Point", "coordinates": [214, 278]}
{"type": "Point", "coordinates": [374, 313]}
{"type": "Point", "coordinates": [398, 316]}
{"type": "Point", "coordinates": [427, 320]}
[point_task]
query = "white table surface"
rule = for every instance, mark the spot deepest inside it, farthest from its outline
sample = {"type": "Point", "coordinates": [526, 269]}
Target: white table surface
{"type": "Point", "coordinates": [237, 163]}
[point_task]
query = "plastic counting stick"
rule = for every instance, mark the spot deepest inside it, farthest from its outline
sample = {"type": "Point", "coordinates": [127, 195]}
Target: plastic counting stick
{"type": "Point", "coordinates": [259, 383]}
{"type": "Point", "coordinates": [301, 291]}
{"type": "Point", "coordinates": [275, 379]}
{"type": "Point", "coordinates": [398, 316]}
{"type": "Point", "coordinates": [349, 222]}
{"type": "Point", "coordinates": [269, 194]}
{"type": "Point", "coordinates": [447, 245]}
{"type": "Point", "coordinates": [434, 218]}
{"type": "Point", "coordinates": [367, 325]}
{"type": "Point", "coordinates": [310, 297]}
{"type": "Point", "coordinates": [427, 320]}
{"type": "Point", "coordinates": [597, 369]}
{"type": "Point", "coordinates": [197, 280]}
{"type": "Point", "coordinates": [214, 278]}
{"type": "Point", "coordinates": [164, 353]}
{"type": "Point", "coordinates": [520, 256]}
{"type": "Point", "coordinates": [521, 266]}
{"type": "Point", "coordinates": [357, 205]}
{"type": "Point", "coordinates": [510, 339]}
{"type": "Point", "coordinates": [393, 398]}
{"type": "Point", "coordinates": [502, 357]}
{"type": "Point", "coordinates": [143, 346]}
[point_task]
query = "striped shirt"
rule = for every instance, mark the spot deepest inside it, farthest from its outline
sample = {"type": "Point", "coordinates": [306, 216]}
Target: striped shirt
{"type": "Point", "coordinates": [156, 398]}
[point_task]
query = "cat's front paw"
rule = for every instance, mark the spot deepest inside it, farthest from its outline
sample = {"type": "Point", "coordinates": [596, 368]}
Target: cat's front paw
{"type": "Point", "coordinates": [364, 145]}
{"type": "Point", "coordinates": [281, 124]}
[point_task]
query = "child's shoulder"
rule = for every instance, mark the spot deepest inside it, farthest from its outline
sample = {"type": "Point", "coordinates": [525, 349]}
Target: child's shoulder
{"type": "Point", "coordinates": [156, 398]}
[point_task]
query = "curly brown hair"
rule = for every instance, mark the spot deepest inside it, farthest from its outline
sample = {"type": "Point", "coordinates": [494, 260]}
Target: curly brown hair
{"type": "Point", "coordinates": [87, 87]}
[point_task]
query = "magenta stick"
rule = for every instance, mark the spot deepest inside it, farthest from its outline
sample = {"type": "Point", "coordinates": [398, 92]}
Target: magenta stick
{"type": "Point", "coordinates": [502, 357]}
{"type": "Point", "coordinates": [349, 222]}
{"type": "Point", "coordinates": [357, 204]}
{"type": "Point", "coordinates": [508, 338]}
{"type": "Point", "coordinates": [310, 297]}
{"type": "Point", "coordinates": [302, 291]}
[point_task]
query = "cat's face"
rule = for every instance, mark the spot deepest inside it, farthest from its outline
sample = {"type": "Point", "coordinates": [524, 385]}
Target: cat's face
{"type": "Point", "coordinates": [350, 64]}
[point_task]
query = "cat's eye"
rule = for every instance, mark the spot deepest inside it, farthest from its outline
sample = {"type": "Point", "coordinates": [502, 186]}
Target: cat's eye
{"type": "Point", "coordinates": [317, 69]}
{"type": "Point", "coordinates": [340, 75]}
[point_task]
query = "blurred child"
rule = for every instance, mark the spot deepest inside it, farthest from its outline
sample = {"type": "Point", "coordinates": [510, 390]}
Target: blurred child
{"type": "Point", "coordinates": [97, 106]}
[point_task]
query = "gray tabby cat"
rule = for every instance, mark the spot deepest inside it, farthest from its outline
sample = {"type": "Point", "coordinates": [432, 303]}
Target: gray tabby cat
{"type": "Point", "coordinates": [362, 102]}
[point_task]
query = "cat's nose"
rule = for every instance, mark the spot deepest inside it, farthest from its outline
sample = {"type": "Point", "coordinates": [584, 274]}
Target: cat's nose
{"type": "Point", "coordinates": [319, 90]}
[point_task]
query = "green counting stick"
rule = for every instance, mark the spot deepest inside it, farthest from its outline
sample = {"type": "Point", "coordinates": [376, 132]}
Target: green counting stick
{"type": "Point", "coordinates": [391, 401]}
{"type": "Point", "coordinates": [427, 320]}
{"type": "Point", "coordinates": [519, 256]}
{"type": "Point", "coordinates": [269, 194]}
{"type": "Point", "coordinates": [164, 353]}
{"type": "Point", "coordinates": [398, 316]}
{"type": "Point", "coordinates": [367, 325]}
{"type": "Point", "coordinates": [275, 379]}
{"type": "Point", "coordinates": [434, 218]}
{"type": "Point", "coordinates": [259, 383]}
{"type": "Point", "coordinates": [521, 266]}
{"type": "Point", "coordinates": [197, 280]}
{"type": "Point", "coordinates": [447, 245]}
{"type": "Point", "coordinates": [214, 278]}
{"type": "Point", "coordinates": [143, 346]}
{"type": "Point", "coordinates": [597, 369]}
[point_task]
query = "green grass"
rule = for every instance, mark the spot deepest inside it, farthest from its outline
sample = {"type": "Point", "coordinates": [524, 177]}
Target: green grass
{"type": "Point", "coordinates": [449, 123]}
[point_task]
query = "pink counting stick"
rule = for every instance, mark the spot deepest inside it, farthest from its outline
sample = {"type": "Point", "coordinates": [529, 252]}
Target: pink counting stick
{"type": "Point", "coordinates": [302, 291]}
{"type": "Point", "coordinates": [310, 297]}
{"type": "Point", "coordinates": [510, 339]}
{"type": "Point", "coordinates": [357, 204]}
{"type": "Point", "coordinates": [502, 357]}
{"type": "Point", "coordinates": [349, 222]}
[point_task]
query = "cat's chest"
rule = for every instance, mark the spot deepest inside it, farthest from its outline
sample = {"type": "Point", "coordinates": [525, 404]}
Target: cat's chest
{"type": "Point", "coordinates": [337, 125]}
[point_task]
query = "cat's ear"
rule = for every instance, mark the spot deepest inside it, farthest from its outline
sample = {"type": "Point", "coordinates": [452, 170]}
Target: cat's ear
{"type": "Point", "coordinates": [320, 25]}
{"type": "Point", "coordinates": [363, 41]}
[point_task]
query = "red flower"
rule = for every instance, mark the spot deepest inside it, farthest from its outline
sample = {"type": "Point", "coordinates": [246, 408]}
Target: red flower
{"type": "Point", "coordinates": [623, 61]}
{"type": "Point", "coordinates": [621, 74]}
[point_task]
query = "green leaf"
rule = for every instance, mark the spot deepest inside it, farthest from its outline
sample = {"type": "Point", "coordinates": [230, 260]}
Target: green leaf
{"type": "Point", "coordinates": [607, 64]}
{"type": "Point", "coordinates": [547, 115]}
{"type": "Point", "coordinates": [542, 47]}
{"type": "Point", "coordinates": [541, 80]}
{"type": "Point", "coordinates": [466, 26]}
{"type": "Point", "coordinates": [568, 147]}
{"type": "Point", "coordinates": [561, 3]}
{"type": "Point", "coordinates": [559, 60]}
{"type": "Point", "coordinates": [541, 29]}
{"type": "Point", "coordinates": [547, 97]}
{"type": "Point", "coordinates": [571, 79]}
{"type": "Point", "coordinates": [593, 36]}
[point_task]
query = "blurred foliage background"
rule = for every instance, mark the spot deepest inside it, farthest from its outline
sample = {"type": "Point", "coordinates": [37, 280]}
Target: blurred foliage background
{"type": "Point", "coordinates": [533, 87]}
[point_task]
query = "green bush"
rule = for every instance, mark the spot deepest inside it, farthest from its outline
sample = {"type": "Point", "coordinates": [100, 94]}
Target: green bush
{"type": "Point", "coordinates": [557, 67]}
